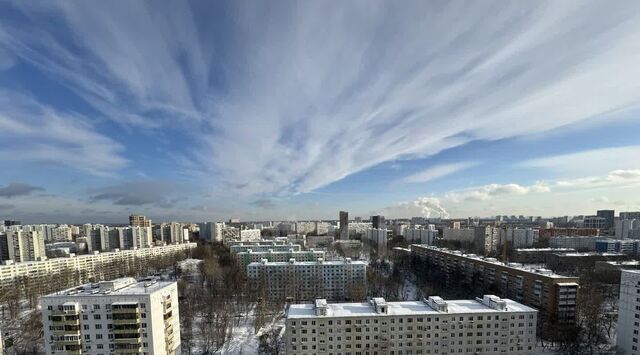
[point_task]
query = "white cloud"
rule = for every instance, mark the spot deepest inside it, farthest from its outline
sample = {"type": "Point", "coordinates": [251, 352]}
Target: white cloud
{"type": "Point", "coordinates": [592, 161]}
{"type": "Point", "coordinates": [613, 178]}
{"type": "Point", "coordinates": [298, 97]}
{"type": "Point", "coordinates": [33, 132]}
{"type": "Point", "coordinates": [486, 192]}
{"type": "Point", "coordinates": [437, 171]}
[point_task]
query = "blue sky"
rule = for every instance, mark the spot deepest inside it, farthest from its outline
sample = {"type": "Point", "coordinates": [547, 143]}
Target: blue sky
{"type": "Point", "coordinates": [204, 111]}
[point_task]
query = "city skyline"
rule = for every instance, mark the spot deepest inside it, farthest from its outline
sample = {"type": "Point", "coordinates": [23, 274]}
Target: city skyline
{"type": "Point", "coordinates": [287, 110]}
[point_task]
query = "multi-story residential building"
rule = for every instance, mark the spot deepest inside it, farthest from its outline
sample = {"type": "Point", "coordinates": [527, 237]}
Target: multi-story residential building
{"type": "Point", "coordinates": [608, 216]}
{"type": "Point", "coordinates": [487, 325]}
{"type": "Point", "coordinates": [273, 246]}
{"type": "Point", "coordinates": [344, 225]}
{"type": "Point", "coordinates": [247, 257]}
{"type": "Point", "coordinates": [463, 235]}
{"type": "Point", "coordinates": [84, 267]}
{"type": "Point", "coordinates": [574, 263]}
{"type": "Point", "coordinates": [625, 246]}
{"type": "Point", "coordinates": [518, 237]}
{"type": "Point", "coordinates": [211, 231]}
{"type": "Point", "coordinates": [377, 237]}
{"type": "Point", "coordinates": [580, 243]}
{"type": "Point", "coordinates": [628, 338]}
{"type": "Point", "coordinates": [21, 246]}
{"type": "Point", "coordinates": [304, 281]}
{"type": "Point", "coordinates": [554, 295]}
{"type": "Point", "coordinates": [420, 235]}
{"type": "Point", "coordinates": [486, 239]}
{"type": "Point", "coordinates": [536, 255]}
{"type": "Point", "coordinates": [593, 222]}
{"type": "Point", "coordinates": [250, 234]}
{"type": "Point", "coordinates": [120, 316]}
{"type": "Point", "coordinates": [627, 229]}
{"type": "Point", "coordinates": [136, 220]}
{"type": "Point", "coordinates": [546, 233]}
{"type": "Point", "coordinates": [630, 215]}
{"type": "Point", "coordinates": [275, 241]}
{"type": "Point", "coordinates": [173, 233]}
{"type": "Point", "coordinates": [378, 222]}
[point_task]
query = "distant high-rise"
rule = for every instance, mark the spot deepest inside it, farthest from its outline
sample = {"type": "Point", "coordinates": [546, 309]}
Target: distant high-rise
{"type": "Point", "coordinates": [629, 215]}
{"type": "Point", "coordinates": [608, 216]}
{"type": "Point", "coordinates": [344, 225]}
{"type": "Point", "coordinates": [378, 222]}
{"type": "Point", "coordinates": [8, 223]}
{"type": "Point", "coordinates": [137, 220]}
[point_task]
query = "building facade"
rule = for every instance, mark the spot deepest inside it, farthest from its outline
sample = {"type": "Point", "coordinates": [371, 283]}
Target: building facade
{"type": "Point", "coordinates": [84, 267]}
{"type": "Point", "coordinates": [344, 225]}
{"type": "Point", "coordinates": [305, 281]}
{"type": "Point", "coordinates": [247, 257]}
{"type": "Point", "coordinates": [554, 295]}
{"type": "Point", "coordinates": [629, 313]}
{"type": "Point", "coordinates": [120, 316]}
{"type": "Point", "coordinates": [20, 246]}
{"type": "Point", "coordinates": [137, 220]}
{"type": "Point", "coordinates": [258, 248]}
{"type": "Point", "coordinates": [487, 325]}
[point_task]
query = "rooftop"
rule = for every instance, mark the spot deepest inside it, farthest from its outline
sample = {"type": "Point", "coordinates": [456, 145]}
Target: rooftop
{"type": "Point", "coordinates": [494, 261]}
{"type": "Point", "coordinates": [122, 286]}
{"type": "Point", "coordinates": [320, 261]}
{"type": "Point", "coordinates": [367, 309]}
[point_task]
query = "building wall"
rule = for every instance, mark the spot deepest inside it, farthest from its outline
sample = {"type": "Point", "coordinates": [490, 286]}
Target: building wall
{"type": "Point", "coordinates": [304, 281]}
{"type": "Point", "coordinates": [86, 266]}
{"type": "Point", "coordinates": [629, 313]}
{"type": "Point", "coordinates": [431, 332]}
{"type": "Point", "coordinates": [554, 295]}
{"type": "Point", "coordinates": [95, 331]}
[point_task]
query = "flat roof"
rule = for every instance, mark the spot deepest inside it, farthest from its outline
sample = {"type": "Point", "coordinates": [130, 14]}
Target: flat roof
{"type": "Point", "coordinates": [117, 287]}
{"type": "Point", "coordinates": [492, 261]}
{"type": "Point", "coordinates": [405, 308]}
{"type": "Point", "coordinates": [330, 262]}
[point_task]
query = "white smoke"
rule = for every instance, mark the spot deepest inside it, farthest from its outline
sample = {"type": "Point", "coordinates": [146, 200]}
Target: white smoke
{"type": "Point", "coordinates": [420, 207]}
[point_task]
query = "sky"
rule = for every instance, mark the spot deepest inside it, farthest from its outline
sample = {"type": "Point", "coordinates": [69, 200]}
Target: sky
{"type": "Point", "coordinates": [202, 111]}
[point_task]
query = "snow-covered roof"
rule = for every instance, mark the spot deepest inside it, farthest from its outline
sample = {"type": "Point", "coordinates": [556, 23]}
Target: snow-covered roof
{"type": "Point", "coordinates": [402, 308]}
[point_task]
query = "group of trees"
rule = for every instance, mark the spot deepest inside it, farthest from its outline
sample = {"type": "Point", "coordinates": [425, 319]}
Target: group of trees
{"type": "Point", "coordinates": [212, 306]}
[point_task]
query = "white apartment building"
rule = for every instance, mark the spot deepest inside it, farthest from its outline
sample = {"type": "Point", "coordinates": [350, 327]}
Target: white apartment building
{"type": "Point", "coordinates": [308, 280]}
{"type": "Point", "coordinates": [250, 234]}
{"type": "Point", "coordinates": [174, 233]}
{"type": "Point", "coordinates": [487, 325]}
{"type": "Point", "coordinates": [87, 266]}
{"type": "Point", "coordinates": [120, 316]}
{"type": "Point", "coordinates": [211, 231]}
{"type": "Point", "coordinates": [518, 237]}
{"type": "Point", "coordinates": [628, 337]}
{"type": "Point", "coordinates": [247, 257]}
{"type": "Point", "coordinates": [275, 246]}
{"type": "Point", "coordinates": [377, 237]}
{"type": "Point", "coordinates": [420, 235]}
{"type": "Point", "coordinates": [19, 245]}
{"type": "Point", "coordinates": [580, 243]}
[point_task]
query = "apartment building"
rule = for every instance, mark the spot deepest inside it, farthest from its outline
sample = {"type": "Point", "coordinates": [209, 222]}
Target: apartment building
{"type": "Point", "coordinates": [487, 325]}
{"type": "Point", "coordinates": [247, 257]}
{"type": "Point", "coordinates": [136, 220]}
{"type": "Point", "coordinates": [243, 247]}
{"type": "Point", "coordinates": [629, 313]}
{"type": "Point", "coordinates": [420, 235]}
{"type": "Point", "coordinates": [86, 267]}
{"type": "Point", "coordinates": [21, 245]}
{"type": "Point", "coordinates": [275, 241]}
{"type": "Point", "coordinates": [308, 280]}
{"type": "Point", "coordinates": [554, 295]}
{"type": "Point", "coordinates": [580, 243]}
{"type": "Point", "coordinates": [121, 316]}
